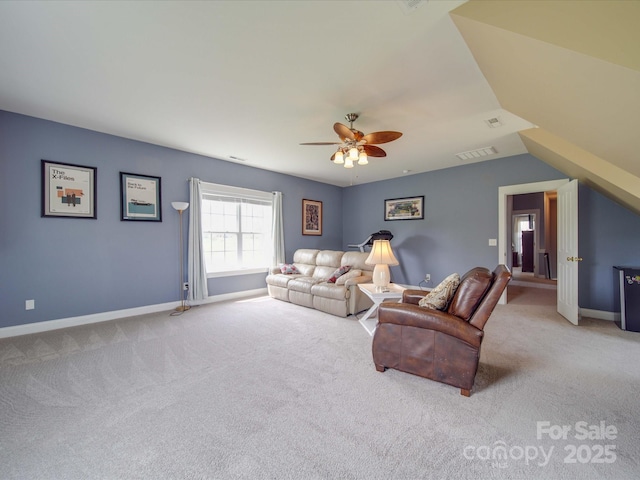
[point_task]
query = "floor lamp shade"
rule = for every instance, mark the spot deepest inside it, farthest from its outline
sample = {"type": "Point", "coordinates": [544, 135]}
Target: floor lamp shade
{"type": "Point", "coordinates": [381, 256]}
{"type": "Point", "coordinates": [180, 206]}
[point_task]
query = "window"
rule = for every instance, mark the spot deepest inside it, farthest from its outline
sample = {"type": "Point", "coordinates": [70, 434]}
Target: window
{"type": "Point", "coordinates": [236, 229]}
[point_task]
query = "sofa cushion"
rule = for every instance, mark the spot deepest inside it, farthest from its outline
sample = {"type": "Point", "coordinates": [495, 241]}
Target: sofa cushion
{"type": "Point", "coordinates": [338, 273]}
{"type": "Point", "coordinates": [356, 260]}
{"type": "Point", "coordinates": [302, 284]}
{"type": "Point", "coordinates": [329, 290]}
{"type": "Point", "coordinates": [473, 287]}
{"type": "Point", "coordinates": [342, 279]}
{"type": "Point", "coordinates": [305, 260]}
{"type": "Point", "coordinates": [305, 255]}
{"type": "Point", "coordinates": [289, 269]}
{"type": "Point", "coordinates": [439, 297]}
{"type": "Point", "coordinates": [329, 258]}
{"type": "Point", "coordinates": [279, 280]}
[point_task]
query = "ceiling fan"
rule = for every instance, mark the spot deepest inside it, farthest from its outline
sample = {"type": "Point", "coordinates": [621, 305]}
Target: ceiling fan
{"type": "Point", "coordinates": [356, 145]}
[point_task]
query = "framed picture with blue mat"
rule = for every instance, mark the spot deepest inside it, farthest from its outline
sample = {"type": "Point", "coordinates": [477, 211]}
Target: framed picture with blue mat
{"type": "Point", "coordinates": [140, 197]}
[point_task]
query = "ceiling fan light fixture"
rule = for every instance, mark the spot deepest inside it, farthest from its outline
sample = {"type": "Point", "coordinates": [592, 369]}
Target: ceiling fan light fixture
{"type": "Point", "coordinates": [354, 145]}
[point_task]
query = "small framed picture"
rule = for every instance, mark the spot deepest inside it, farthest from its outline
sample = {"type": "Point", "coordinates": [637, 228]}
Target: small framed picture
{"type": "Point", "coordinates": [311, 217]}
{"type": "Point", "coordinates": [140, 197]}
{"type": "Point", "coordinates": [409, 208]}
{"type": "Point", "coordinates": [68, 190]}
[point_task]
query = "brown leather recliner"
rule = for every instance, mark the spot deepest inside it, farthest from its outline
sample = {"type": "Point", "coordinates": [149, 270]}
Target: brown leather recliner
{"type": "Point", "coordinates": [439, 345]}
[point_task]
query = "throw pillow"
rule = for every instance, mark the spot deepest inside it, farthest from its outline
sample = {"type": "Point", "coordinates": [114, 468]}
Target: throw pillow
{"type": "Point", "coordinates": [338, 273]}
{"type": "Point", "coordinates": [350, 274]}
{"type": "Point", "coordinates": [439, 297]}
{"type": "Point", "coordinates": [289, 269]}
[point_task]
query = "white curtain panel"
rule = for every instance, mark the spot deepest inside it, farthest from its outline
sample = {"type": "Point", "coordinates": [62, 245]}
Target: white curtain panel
{"type": "Point", "coordinates": [197, 272]}
{"type": "Point", "coordinates": [277, 230]}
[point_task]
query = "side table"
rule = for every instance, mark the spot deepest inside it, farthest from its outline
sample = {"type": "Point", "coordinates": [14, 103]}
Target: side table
{"type": "Point", "coordinates": [393, 291]}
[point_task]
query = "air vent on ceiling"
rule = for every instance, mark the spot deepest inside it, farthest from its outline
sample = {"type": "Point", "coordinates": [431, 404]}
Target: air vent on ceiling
{"type": "Point", "coordinates": [494, 122]}
{"type": "Point", "coordinates": [479, 153]}
{"type": "Point", "coordinates": [409, 6]}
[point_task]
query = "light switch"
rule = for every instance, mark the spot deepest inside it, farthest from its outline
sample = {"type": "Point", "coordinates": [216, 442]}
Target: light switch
{"type": "Point", "coordinates": [493, 242]}
{"type": "Point", "coordinates": [29, 304]}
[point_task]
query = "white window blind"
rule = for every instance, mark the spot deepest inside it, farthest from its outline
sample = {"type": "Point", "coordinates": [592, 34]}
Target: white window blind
{"type": "Point", "coordinates": [236, 228]}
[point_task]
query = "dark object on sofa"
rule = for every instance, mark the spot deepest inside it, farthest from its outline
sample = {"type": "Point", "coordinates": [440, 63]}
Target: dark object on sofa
{"type": "Point", "coordinates": [439, 345]}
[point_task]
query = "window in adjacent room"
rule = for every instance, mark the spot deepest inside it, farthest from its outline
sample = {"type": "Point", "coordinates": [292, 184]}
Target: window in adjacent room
{"type": "Point", "coordinates": [236, 228]}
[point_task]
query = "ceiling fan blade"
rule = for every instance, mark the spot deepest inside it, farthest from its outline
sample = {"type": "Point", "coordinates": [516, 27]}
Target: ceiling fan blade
{"type": "Point", "coordinates": [343, 131]}
{"type": "Point", "coordinates": [381, 137]}
{"type": "Point", "coordinates": [321, 143]}
{"type": "Point", "coordinates": [373, 151]}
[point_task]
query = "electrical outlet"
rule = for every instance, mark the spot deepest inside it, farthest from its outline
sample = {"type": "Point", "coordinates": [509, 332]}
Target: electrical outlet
{"type": "Point", "coordinates": [185, 286]}
{"type": "Point", "coordinates": [29, 304]}
{"type": "Point", "coordinates": [427, 277]}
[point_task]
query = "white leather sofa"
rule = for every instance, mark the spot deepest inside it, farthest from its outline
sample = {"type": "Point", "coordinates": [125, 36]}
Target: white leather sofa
{"type": "Point", "coordinates": [310, 287]}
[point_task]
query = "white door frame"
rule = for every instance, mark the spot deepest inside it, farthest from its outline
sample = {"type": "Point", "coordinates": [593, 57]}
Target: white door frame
{"type": "Point", "coordinates": [504, 220]}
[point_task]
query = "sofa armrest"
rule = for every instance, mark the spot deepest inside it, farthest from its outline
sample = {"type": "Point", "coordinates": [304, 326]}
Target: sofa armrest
{"type": "Point", "coordinates": [407, 314]}
{"type": "Point", "coordinates": [356, 280]}
{"type": "Point", "coordinates": [274, 270]}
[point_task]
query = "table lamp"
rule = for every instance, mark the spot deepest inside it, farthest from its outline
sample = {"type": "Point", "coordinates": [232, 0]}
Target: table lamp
{"type": "Point", "coordinates": [381, 256]}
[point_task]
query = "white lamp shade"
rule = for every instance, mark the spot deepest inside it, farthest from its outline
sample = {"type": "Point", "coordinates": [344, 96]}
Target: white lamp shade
{"type": "Point", "coordinates": [381, 254]}
{"type": "Point", "coordinates": [180, 206]}
{"type": "Point", "coordinates": [353, 153]}
{"type": "Point", "coordinates": [339, 157]}
{"type": "Point", "coordinates": [348, 163]}
{"type": "Point", "coordinates": [362, 159]}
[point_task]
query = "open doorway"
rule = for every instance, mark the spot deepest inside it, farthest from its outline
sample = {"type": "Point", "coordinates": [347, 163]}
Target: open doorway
{"type": "Point", "coordinates": [533, 244]}
{"type": "Point", "coordinates": [545, 254]}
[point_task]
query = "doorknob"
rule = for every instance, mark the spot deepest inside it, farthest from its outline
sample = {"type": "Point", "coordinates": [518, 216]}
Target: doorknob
{"type": "Point", "coordinates": [574, 259]}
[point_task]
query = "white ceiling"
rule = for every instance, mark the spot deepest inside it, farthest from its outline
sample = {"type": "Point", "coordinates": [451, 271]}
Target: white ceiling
{"type": "Point", "coordinates": [253, 79]}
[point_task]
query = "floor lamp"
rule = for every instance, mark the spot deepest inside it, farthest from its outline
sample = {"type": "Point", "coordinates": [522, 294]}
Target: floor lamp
{"type": "Point", "coordinates": [181, 207]}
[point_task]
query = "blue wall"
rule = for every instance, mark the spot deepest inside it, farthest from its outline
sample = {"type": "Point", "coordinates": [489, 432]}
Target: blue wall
{"type": "Point", "coordinates": [75, 267]}
{"type": "Point", "coordinates": [461, 215]}
{"type": "Point", "coordinates": [607, 235]}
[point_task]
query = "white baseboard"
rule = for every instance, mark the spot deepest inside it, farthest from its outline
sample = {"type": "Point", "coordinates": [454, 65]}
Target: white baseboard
{"type": "Point", "coordinates": [600, 314]}
{"type": "Point", "coordinates": [26, 329]}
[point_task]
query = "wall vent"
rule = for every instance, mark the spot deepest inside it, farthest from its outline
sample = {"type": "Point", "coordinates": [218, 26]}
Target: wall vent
{"type": "Point", "coordinates": [409, 6]}
{"type": "Point", "coordinates": [494, 122]}
{"type": "Point", "coordinates": [479, 153]}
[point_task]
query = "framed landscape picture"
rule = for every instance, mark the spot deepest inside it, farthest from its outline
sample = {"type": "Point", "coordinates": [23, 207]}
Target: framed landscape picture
{"type": "Point", "coordinates": [311, 217]}
{"type": "Point", "coordinates": [68, 190]}
{"type": "Point", "coordinates": [409, 208]}
{"type": "Point", "coordinates": [140, 197]}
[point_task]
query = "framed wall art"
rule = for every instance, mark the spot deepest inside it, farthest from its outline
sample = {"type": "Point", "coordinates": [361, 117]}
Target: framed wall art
{"type": "Point", "coordinates": [409, 208]}
{"type": "Point", "coordinates": [68, 190]}
{"type": "Point", "coordinates": [311, 217]}
{"type": "Point", "coordinates": [140, 197]}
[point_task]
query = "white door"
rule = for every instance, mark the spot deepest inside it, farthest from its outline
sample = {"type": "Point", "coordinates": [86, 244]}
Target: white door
{"type": "Point", "coordinates": [568, 251]}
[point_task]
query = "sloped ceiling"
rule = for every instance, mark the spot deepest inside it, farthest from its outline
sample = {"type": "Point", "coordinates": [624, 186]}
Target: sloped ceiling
{"type": "Point", "coordinates": [572, 68]}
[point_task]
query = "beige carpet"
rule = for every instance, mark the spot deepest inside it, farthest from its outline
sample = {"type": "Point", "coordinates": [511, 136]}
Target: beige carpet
{"type": "Point", "coordinates": [264, 389]}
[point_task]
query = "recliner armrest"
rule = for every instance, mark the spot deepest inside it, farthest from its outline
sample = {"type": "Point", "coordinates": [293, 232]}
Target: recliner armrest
{"type": "Point", "coordinates": [413, 295]}
{"type": "Point", "coordinates": [407, 314]}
